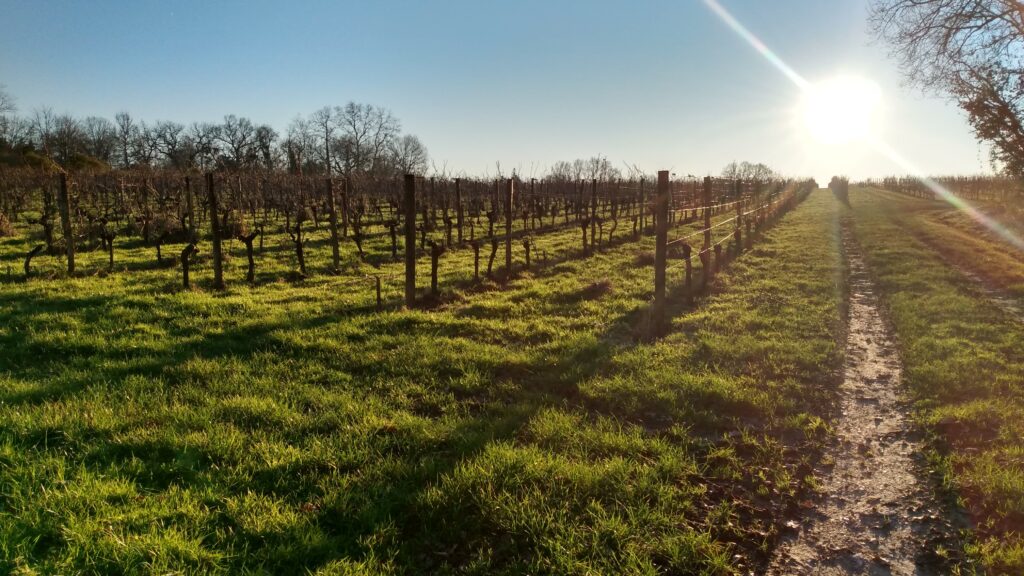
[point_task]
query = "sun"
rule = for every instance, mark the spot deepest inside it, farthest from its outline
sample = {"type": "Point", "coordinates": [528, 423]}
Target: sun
{"type": "Point", "coordinates": [841, 110]}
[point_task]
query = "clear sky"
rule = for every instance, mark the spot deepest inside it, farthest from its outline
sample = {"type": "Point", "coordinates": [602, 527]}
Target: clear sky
{"type": "Point", "coordinates": [659, 84]}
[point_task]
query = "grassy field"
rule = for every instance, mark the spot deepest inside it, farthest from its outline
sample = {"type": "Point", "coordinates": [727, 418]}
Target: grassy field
{"type": "Point", "coordinates": [290, 428]}
{"type": "Point", "coordinates": [963, 356]}
{"type": "Point", "coordinates": [968, 244]}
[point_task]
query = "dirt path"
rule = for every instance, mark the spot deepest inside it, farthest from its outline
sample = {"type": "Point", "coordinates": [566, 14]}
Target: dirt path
{"type": "Point", "coordinates": [877, 513]}
{"type": "Point", "coordinates": [994, 294]}
{"type": "Point", "coordinates": [1004, 301]}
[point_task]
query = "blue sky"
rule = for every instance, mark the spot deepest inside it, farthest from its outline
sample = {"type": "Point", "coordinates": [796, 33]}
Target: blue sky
{"type": "Point", "coordinates": [658, 84]}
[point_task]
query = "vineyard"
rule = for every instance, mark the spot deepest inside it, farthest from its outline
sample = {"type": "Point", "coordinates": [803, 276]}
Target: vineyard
{"type": "Point", "coordinates": [269, 304]}
{"type": "Point", "coordinates": [287, 422]}
{"type": "Point", "coordinates": [235, 372]}
{"type": "Point", "coordinates": [372, 234]}
{"type": "Point", "coordinates": [979, 188]}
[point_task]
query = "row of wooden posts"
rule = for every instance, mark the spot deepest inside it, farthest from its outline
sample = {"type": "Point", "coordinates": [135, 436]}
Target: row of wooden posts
{"type": "Point", "coordinates": [660, 211]}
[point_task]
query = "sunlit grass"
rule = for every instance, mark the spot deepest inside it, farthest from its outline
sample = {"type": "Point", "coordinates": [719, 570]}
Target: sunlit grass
{"type": "Point", "coordinates": [288, 427]}
{"type": "Point", "coordinates": [964, 365]}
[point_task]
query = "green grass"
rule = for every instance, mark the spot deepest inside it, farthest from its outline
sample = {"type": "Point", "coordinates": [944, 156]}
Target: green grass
{"type": "Point", "coordinates": [964, 365]}
{"type": "Point", "coordinates": [289, 428]}
{"type": "Point", "coordinates": [968, 244]}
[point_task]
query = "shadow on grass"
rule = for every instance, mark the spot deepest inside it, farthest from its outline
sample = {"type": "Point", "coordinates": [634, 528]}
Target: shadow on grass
{"type": "Point", "coordinates": [367, 504]}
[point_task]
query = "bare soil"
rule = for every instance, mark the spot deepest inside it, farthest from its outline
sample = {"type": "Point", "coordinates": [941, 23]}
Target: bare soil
{"type": "Point", "coordinates": [878, 512]}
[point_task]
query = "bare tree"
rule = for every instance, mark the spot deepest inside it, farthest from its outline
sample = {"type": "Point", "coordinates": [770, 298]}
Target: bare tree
{"type": "Point", "coordinates": [239, 137]}
{"type": "Point", "coordinates": [298, 145]}
{"type": "Point", "coordinates": [44, 123]}
{"type": "Point", "coordinates": [202, 144]}
{"type": "Point", "coordinates": [969, 51]}
{"type": "Point", "coordinates": [16, 131]}
{"type": "Point", "coordinates": [322, 122]}
{"type": "Point", "coordinates": [171, 143]}
{"type": "Point", "coordinates": [368, 133]}
{"type": "Point", "coordinates": [100, 138]}
{"type": "Point", "coordinates": [67, 141]}
{"type": "Point", "coordinates": [6, 102]}
{"type": "Point", "coordinates": [7, 110]}
{"type": "Point", "coordinates": [409, 155]}
{"type": "Point", "coordinates": [263, 146]}
{"type": "Point", "coordinates": [126, 133]}
{"type": "Point", "coordinates": [145, 144]}
{"type": "Point", "coordinates": [749, 171]}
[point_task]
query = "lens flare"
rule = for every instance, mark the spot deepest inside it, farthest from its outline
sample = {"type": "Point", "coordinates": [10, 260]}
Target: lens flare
{"type": "Point", "coordinates": [862, 104]}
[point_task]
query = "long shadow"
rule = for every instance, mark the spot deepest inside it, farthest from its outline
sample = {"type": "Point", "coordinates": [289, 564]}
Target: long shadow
{"type": "Point", "coordinates": [369, 504]}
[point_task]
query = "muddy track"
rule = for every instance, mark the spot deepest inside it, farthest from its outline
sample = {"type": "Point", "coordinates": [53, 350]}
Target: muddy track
{"type": "Point", "coordinates": [1005, 302]}
{"type": "Point", "coordinates": [877, 512]}
{"type": "Point", "coordinates": [1002, 300]}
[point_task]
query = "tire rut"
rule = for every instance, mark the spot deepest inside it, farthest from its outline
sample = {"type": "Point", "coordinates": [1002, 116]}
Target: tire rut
{"type": "Point", "coordinates": [877, 513]}
{"type": "Point", "coordinates": [986, 290]}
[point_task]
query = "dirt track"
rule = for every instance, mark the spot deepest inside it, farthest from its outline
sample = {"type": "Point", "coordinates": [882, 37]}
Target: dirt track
{"type": "Point", "coordinates": [877, 513]}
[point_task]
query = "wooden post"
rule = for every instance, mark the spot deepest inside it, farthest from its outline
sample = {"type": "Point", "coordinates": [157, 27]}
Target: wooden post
{"type": "Point", "coordinates": [380, 302]}
{"type": "Point", "coordinates": [410, 240]}
{"type": "Point", "coordinates": [218, 263]}
{"type": "Point", "coordinates": [490, 261]}
{"type": "Point", "coordinates": [435, 255]}
{"type": "Point", "coordinates": [476, 258]}
{"type": "Point", "coordinates": [643, 208]}
{"type": "Point", "coordinates": [593, 213]}
{"type": "Point", "coordinates": [332, 213]}
{"type": "Point", "coordinates": [458, 206]}
{"type": "Point", "coordinates": [509, 191]}
{"type": "Point", "coordinates": [707, 212]}
{"type": "Point", "coordinates": [661, 243]}
{"type": "Point", "coordinates": [739, 218]}
{"type": "Point", "coordinates": [64, 204]}
{"type": "Point", "coordinates": [186, 261]}
{"type": "Point", "coordinates": [687, 251]}
{"type": "Point", "coordinates": [28, 259]}
{"type": "Point", "coordinates": [108, 238]}
{"type": "Point", "coordinates": [345, 192]}
{"type": "Point", "coordinates": [192, 235]}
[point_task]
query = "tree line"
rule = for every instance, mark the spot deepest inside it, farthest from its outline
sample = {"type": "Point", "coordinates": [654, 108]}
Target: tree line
{"type": "Point", "coordinates": [354, 139]}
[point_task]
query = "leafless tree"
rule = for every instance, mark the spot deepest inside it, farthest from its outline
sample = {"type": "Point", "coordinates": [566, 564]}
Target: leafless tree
{"type": "Point", "coordinates": [409, 155]}
{"type": "Point", "coordinates": [16, 131]}
{"type": "Point", "coordinates": [367, 135]}
{"type": "Point", "coordinates": [44, 123]}
{"type": "Point", "coordinates": [100, 138]}
{"type": "Point", "coordinates": [263, 146]}
{"type": "Point", "coordinates": [7, 110]}
{"type": "Point", "coordinates": [146, 144]}
{"type": "Point", "coordinates": [323, 123]}
{"type": "Point", "coordinates": [969, 51]}
{"type": "Point", "coordinates": [298, 145]}
{"type": "Point", "coordinates": [6, 102]}
{"type": "Point", "coordinates": [238, 135]}
{"type": "Point", "coordinates": [202, 144]}
{"type": "Point", "coordinates": [126, 134]}
{"type": "Point", "coordinates": [749, 171]}
{"type": "Point", "coordinates": [67, 140]}
{"type": "Point", "coordinates": [171, 143]}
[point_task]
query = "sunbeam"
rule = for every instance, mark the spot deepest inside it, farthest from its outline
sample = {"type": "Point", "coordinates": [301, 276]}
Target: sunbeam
{"type": "Point", "coordinates": [943, 193]}
{"type": "Point", "coordinates": [854, 130]}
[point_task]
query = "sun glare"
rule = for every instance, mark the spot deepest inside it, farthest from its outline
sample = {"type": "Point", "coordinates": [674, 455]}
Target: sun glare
{"type": "Point", "coordinates": [841, 110]}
